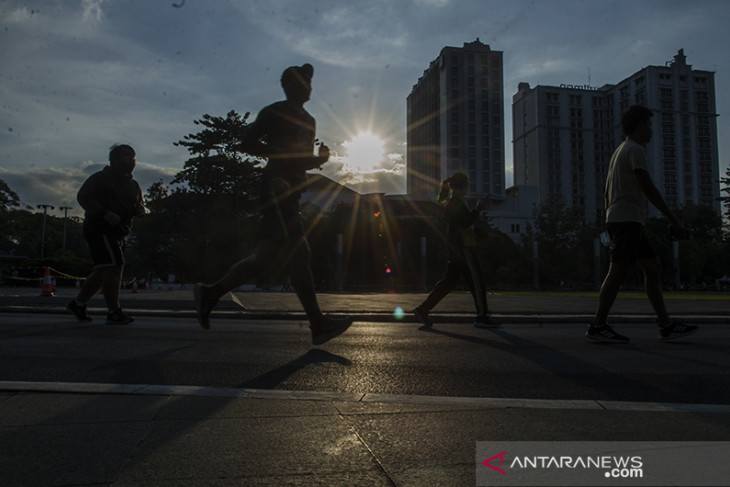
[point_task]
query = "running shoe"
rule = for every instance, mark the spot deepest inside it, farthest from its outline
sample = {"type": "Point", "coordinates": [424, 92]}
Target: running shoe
{"type": "Point", "coordinates": [422, 316]}
{"type": "Point", "coordinates": [203, 304]}
{"type": "Point", "coordinates": [676, 330]}
{"type": "Point", "coordinates": [328, 328]}
{"type": "Point", "coordinates": [118, 317]}
{"type": "Point", "coordinates": [604, 334]}
{"type": "Point", "coordinates": [79, 311]}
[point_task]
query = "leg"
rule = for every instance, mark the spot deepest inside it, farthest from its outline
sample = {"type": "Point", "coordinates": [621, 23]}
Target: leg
{"type": "Point", "coordinates": [475, 281]}
{"type": "Point", "coordinates": [91, 285]}
{"type": "Point", "coordinates": [111, 284]}
{"type": "Point", "coordinates": [241, 272]}
{"type": "Point", "coordinates": [653, 283]}
{"type": "Point", "coordinates": [300, 273]}
{"type": "Point", "coordinates": [444, 286]}
{"type": "Point", "coordinates": [609, 291]}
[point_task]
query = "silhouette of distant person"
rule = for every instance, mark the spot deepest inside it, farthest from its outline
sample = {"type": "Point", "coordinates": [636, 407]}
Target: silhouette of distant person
{"type": "Point", "coordinates": [628, 186]}
{"type": "Point", "coordinates": [110, 199]}
{"type": "Point", "coordinates": [463, 260]}
{"type": "Point", "coordinates": [284, 133]}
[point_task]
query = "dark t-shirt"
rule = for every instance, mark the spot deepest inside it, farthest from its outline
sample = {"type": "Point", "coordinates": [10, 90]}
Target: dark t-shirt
{"type": "Point", "coordinates": [105, 191]}
{"type": "Point", "coordinates": [284, 133]}
{"type": "Point", "coordinates": [458, 218]}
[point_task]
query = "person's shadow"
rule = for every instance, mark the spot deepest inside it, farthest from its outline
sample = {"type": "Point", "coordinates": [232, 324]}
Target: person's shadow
{"type": "Point", "coordinates": [274, 377]}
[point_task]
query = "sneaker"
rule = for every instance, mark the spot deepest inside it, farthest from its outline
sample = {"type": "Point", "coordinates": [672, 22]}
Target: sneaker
{"type": "Point", "coordinates": [486, 322]}
{"type": "Point", "coordinates": [676, 330]}
{"type": "Point", "coordinates": [203, 304]}
{"type": "Point", "coordinates": [79, 311]}
{"type": "Point", "coordinates": [422, 316]}
{"type": "Point", "coordinates": [118, 317]}
{"type": "Point", "coordinates": [328, 328]}
{"type": "Point", "coordinates": [604, 334]}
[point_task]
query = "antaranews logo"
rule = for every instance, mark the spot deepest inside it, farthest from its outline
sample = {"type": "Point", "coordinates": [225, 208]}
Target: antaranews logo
{"type": "Point", "coordinates": [613, 466]}
{"type": "Point", "coordinates": [487, 462]}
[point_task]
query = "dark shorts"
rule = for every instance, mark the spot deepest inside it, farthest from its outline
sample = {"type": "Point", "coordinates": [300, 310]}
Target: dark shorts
{"type": "Point", "coordinates": [629, 242]}
{"type": "Point", "coordinates": [106, 250]}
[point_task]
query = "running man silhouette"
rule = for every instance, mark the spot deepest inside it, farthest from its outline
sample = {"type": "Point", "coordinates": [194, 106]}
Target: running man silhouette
{"type": "Point", "coordinates": [628, 186]}
{"type": "Point", "coordinates": [110, 198]}
{"type": "Point", "coordinates": [463, 260]}
{"type": "Point", "coordinates": [284, 133]}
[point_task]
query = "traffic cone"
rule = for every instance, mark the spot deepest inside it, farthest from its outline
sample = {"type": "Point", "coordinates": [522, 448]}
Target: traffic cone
{"type": "Point", "coordinates": [134, 286]}
{"type": "Point", "coordinates": [78, 284]}
{"type": "Point", "coordinates": [47, 289]}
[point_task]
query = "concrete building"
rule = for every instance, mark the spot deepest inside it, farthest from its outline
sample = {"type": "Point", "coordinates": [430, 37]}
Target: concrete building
{"type": "Point", "coordinates": [564, 136]}
{"type": "Point", "coordinates": [456, 123]}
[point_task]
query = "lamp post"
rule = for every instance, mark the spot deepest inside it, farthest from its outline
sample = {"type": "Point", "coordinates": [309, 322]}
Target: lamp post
{"type": "Point", "coordinates": [65, 221]}
{"type": "Point", "coordinates": [43, 234]}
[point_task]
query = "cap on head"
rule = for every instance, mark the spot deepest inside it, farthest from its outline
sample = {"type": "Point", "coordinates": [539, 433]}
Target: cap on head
{"type": "Point", "coordinates": [302, 74]}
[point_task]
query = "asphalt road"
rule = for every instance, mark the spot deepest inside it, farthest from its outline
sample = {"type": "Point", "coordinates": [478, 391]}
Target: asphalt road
{"type": "Point", "coordinates": [516, 361]}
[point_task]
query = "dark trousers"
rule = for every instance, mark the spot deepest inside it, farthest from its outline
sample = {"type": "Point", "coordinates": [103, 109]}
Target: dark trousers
{"type": "Point", "coordinates": [467, 265]}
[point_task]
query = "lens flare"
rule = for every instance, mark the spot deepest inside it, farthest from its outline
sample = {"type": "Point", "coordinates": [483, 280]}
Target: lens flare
{"type": "Point", "coordinates": [398, 314]}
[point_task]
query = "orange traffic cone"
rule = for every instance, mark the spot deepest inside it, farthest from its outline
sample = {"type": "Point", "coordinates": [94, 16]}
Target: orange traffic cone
{"type": "Point", "coordinates": [134, 286]}
{"type": "Point", "coordinates": [47, 289]}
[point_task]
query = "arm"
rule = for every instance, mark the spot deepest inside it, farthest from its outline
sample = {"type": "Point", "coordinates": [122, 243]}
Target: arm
{"type": "Point", "coordinates": [251, 141]}
{"type": "Point", "coordinates": [89, 201]}
{"type": "Point", "coordinates": [656, 199]}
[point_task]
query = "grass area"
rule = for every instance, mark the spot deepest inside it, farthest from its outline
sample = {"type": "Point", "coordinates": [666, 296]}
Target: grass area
{"type": "Point", "coordinates": [679, 295]}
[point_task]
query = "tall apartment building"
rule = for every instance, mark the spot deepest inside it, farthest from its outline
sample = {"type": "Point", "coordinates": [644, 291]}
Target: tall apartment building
{"type": "Point", "coordinates": [564, 136]}
{"type": "Point", "coordinates": [456, 122]}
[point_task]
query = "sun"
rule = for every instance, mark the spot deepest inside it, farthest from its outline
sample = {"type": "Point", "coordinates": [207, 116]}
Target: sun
{"type": "Point", "coordinates": [365, 151]}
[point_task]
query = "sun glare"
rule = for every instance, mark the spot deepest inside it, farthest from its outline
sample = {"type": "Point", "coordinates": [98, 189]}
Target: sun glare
{"type": "Point", "coordinates": [364, 151]}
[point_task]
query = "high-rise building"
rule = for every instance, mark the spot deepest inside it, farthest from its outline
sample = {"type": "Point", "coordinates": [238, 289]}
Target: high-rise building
{"type": "Point", "coordinates": [456, 122]}
{"type": "Point", "coordinates": [564, 136]}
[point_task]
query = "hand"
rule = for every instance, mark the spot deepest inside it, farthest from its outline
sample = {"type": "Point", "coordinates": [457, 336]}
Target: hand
{"type": "Point", "coordinates": [112, 218]}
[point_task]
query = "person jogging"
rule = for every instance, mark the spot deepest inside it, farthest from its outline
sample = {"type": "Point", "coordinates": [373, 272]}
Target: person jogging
{"type": "Point", "coordinates": [463, 260]}
{"type": "Point", "coordinates": [284, 133]}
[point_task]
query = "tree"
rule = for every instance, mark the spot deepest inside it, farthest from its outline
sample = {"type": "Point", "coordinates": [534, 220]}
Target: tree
{"type": "Point", "coordinates": [204, 220]}
{"type": "Point", "coordinates": [565, 243]}
{"type": "Point", "coordinates": [8, 197]}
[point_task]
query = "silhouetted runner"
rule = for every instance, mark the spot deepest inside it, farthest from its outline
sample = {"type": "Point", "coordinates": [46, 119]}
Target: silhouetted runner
{"type": "Point", "coordinates": [110, 199]}
{"type": "Point", "coordinates": [284, 133]}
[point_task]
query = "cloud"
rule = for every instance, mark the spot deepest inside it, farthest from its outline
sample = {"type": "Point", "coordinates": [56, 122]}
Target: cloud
{"type": "Point", "coordinates": [388, 177]}
{"type": "Point", "coordinates": [92, 9]}
{"type": "Point", "coordinates": [58, 186]}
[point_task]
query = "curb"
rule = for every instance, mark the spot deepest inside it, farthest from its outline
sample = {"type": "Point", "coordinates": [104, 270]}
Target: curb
{"type": "Point", "coordinates": [381, 317]}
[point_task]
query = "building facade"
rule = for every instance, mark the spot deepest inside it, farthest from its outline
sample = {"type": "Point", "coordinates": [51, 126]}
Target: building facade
{"type": "Point", "coordinates": [564, 136]}
{"type": "Point", "coordinates": [456, 123]}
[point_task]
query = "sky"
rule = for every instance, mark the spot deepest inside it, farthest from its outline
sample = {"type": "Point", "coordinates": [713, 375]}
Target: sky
{"type": "Point", "coordinates": [80, 75]}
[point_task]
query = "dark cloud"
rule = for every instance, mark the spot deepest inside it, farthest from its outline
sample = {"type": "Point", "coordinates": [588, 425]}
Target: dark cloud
{"type": "Point", "coordinates": [58, 187]}
{"type": "Point", "coordinates": [82, 75]}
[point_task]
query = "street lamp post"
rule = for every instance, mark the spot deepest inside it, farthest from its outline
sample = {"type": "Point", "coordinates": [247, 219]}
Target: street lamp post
{"type": "Point", "coordinates": [65, 221]}
{"type": "Point", "coordinates": [43, 233]}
